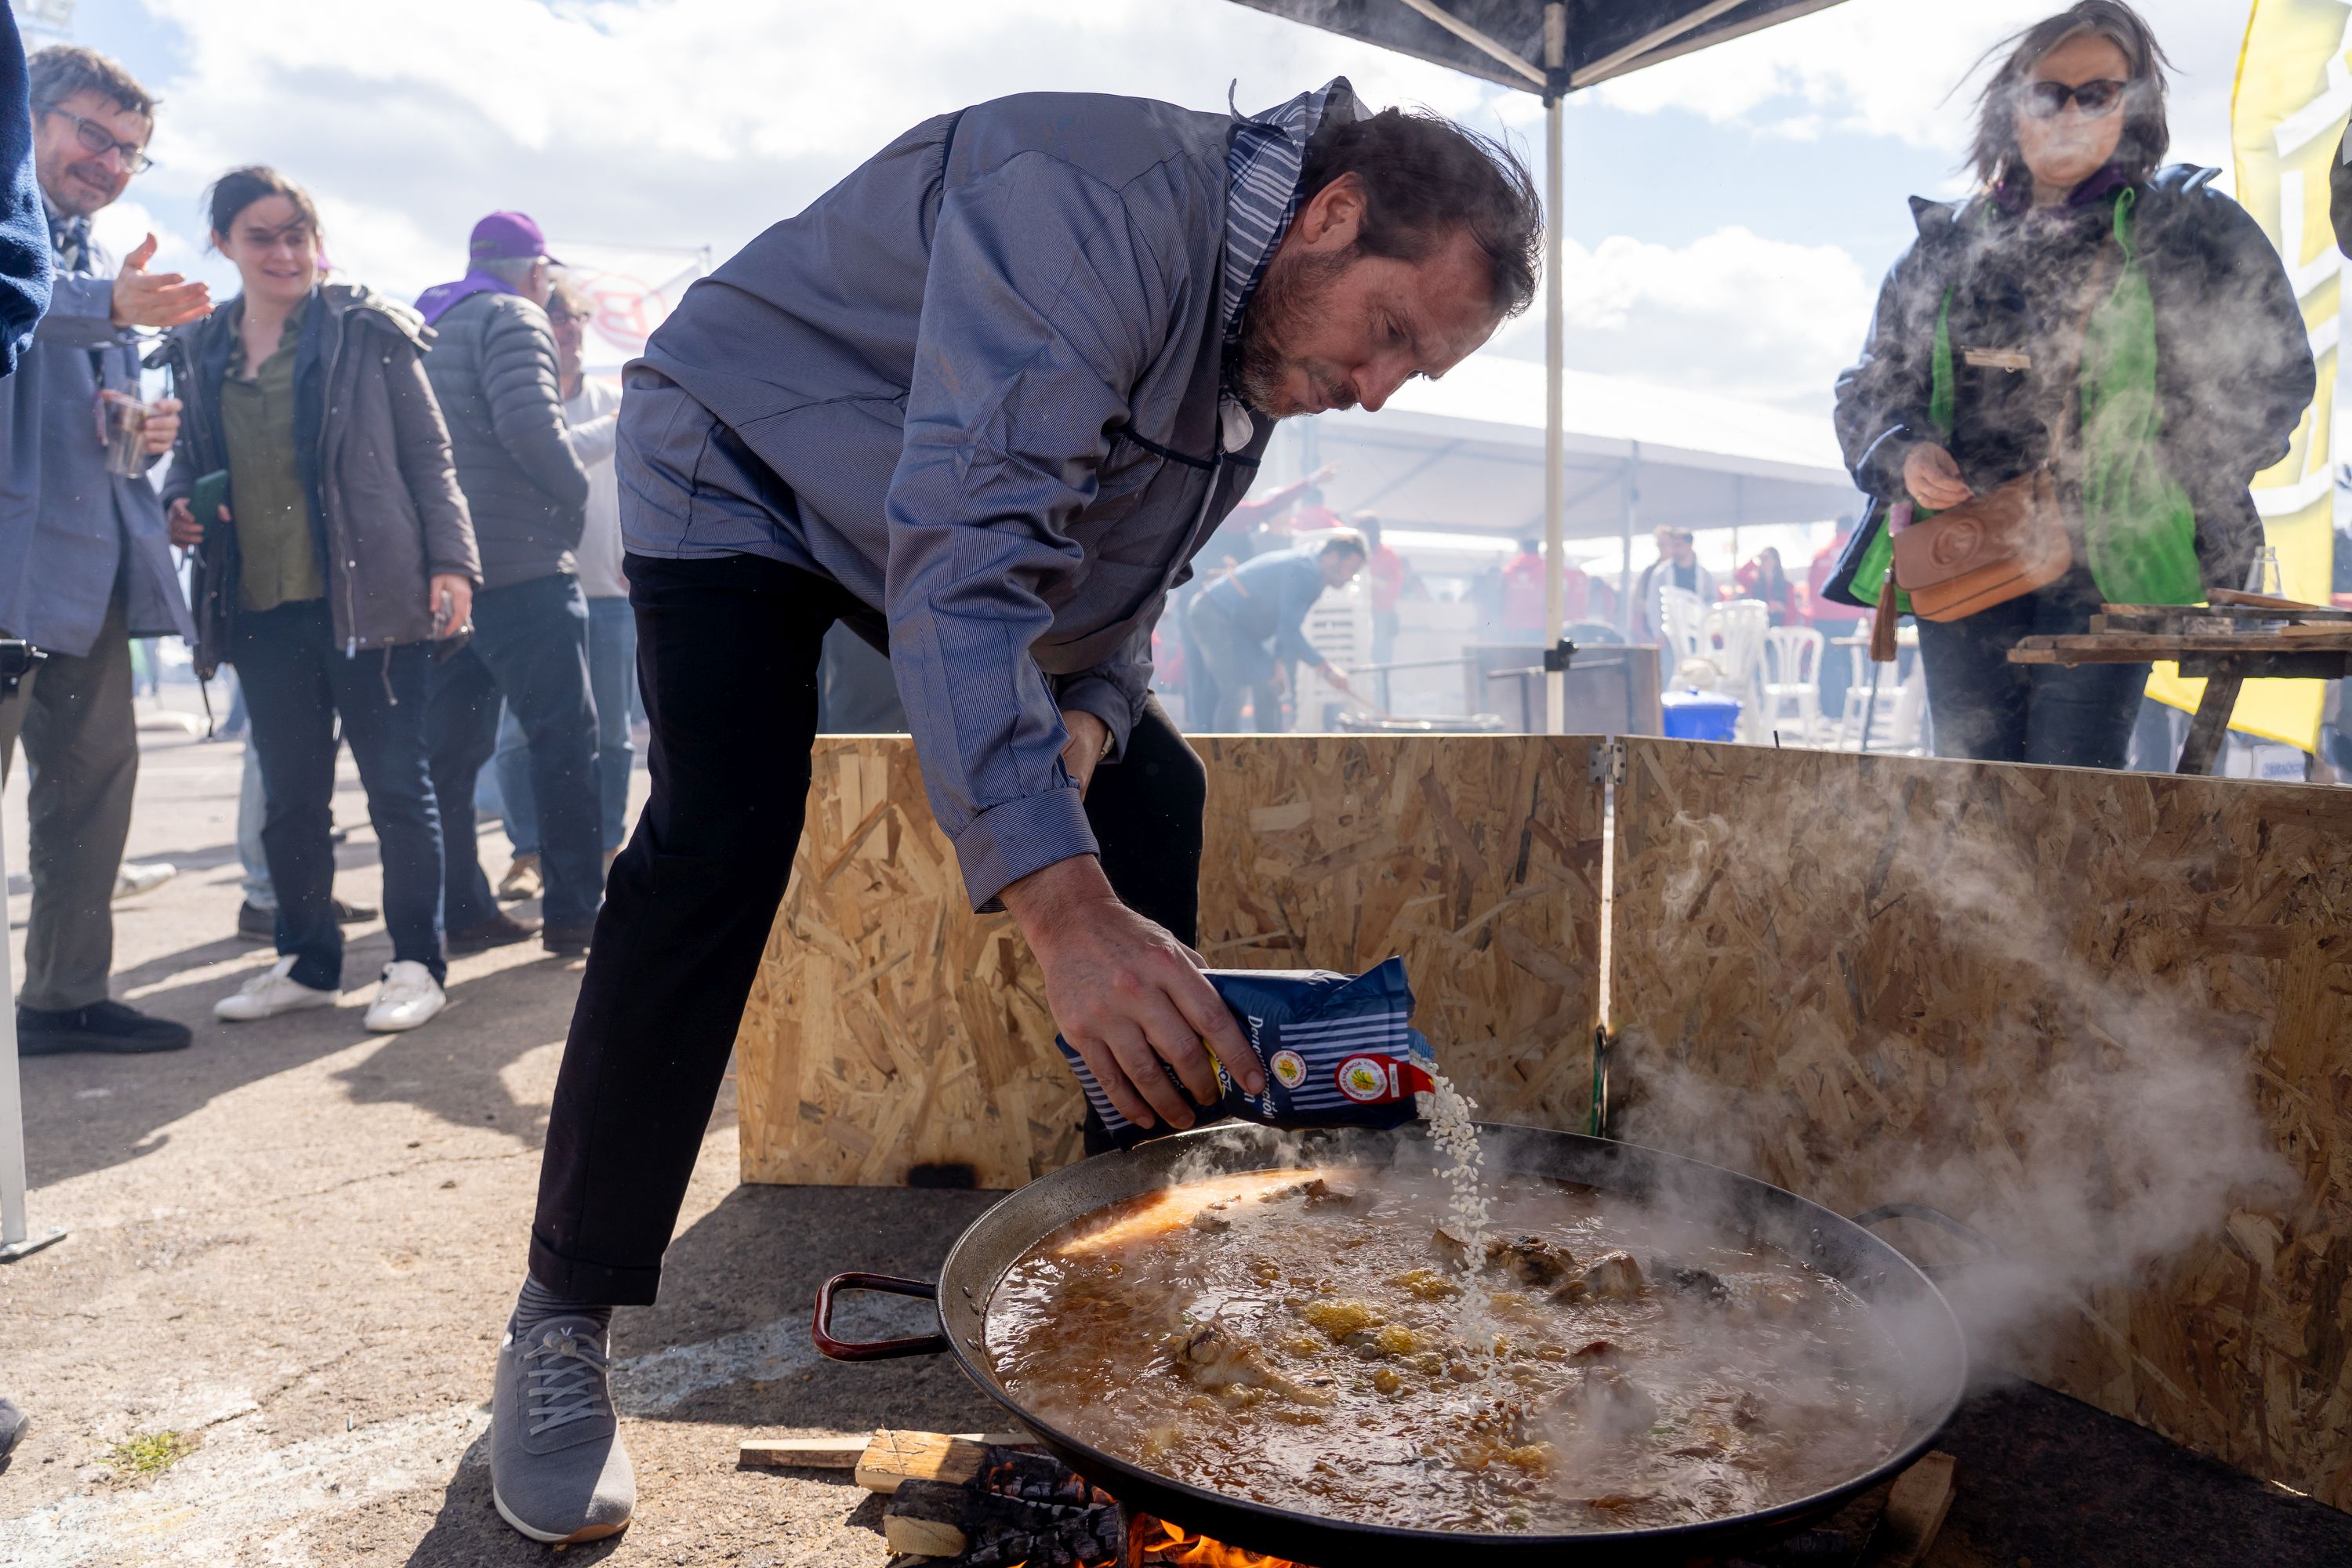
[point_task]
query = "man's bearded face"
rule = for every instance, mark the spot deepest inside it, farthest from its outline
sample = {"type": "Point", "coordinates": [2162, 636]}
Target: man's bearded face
{"type": "Point", "coordinates": [1276, 375]}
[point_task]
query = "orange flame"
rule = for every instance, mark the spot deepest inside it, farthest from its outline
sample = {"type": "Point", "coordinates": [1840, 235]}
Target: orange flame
{"type": "Point", "coordinates": [1174, 1545]}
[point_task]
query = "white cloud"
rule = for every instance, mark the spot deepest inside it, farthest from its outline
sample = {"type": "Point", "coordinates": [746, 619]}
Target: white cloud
{"type": "Point", "coordinates": [671, 121]}
{"type": "Point", "coordinates": [1732, 313]}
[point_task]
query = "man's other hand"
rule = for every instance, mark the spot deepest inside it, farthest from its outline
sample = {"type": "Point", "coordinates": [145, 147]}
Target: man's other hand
{"type": "Point", "coordinates": [1089, 740]}
{"type": "Point", "coordinates": [158, 300]}
{"type": "Point", "coordinates": [1127, 996]}
{"type": "Point", "coordinates": [163, 426]}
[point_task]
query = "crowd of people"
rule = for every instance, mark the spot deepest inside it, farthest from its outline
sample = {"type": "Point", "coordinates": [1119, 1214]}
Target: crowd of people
{"type": "Point", "coordinates": [404, 534]}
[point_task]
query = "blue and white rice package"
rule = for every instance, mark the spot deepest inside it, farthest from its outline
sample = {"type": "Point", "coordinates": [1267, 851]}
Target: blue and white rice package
{"type": "Point", "coordinates": [1338, 1052]}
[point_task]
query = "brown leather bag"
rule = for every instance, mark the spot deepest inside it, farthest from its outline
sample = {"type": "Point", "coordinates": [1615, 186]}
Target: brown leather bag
{"type": "Point", "coordinates": [1995, 547]}
{"type": "Point", "coordinates": [1985, 552]}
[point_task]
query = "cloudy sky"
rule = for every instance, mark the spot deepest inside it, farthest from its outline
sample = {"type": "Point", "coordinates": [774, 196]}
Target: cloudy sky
{"type": "Point", "coordinates": [1729, 216]}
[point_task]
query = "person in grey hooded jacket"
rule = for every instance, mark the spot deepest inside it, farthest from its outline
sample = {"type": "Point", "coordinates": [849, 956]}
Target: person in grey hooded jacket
{"type": "Point", "coordinates": [981, 401]}
{"type": "Point", "coordinates": [494, 371]}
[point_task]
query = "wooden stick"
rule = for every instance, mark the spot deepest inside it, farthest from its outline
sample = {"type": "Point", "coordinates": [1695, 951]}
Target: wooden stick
{"type": "Point", "coordinates": [802, 1453]}
{"type": "Point", "coordinates": [1914, 1513]}
{"type": "Point", "coordinates": [2211, 725]}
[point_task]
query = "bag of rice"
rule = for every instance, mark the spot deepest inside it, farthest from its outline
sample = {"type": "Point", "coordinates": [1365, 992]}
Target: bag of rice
{"type": "Point", "coordinates": [1338, 1050]}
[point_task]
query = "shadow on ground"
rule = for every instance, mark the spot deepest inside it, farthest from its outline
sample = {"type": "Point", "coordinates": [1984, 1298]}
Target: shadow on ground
{"type": "Point", "coordinates": [86, 1114]}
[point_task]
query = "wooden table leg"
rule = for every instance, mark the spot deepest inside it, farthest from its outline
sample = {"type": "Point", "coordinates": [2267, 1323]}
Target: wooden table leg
{"type": "Point", "coordinates": [2210, 723]}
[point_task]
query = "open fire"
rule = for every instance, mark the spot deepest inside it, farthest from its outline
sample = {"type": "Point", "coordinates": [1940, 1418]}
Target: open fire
{"type": "Point", "coordinates": [1156, 1541]}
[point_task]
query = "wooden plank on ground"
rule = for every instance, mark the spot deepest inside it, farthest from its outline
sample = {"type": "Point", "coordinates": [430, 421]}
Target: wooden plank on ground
{"type": "Point", "coordinates": [894, 1458]}
{"type": "Point", "coordinates": [1914, 1513]}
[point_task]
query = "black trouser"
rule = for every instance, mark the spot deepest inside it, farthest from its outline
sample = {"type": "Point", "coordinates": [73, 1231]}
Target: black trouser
{"type": "Point", "coordinates": [727, 657]}
{"type": "Point", "coordinates": [1990, 711]}
{"type": "Point", "coordinates": [295, 681]}
{"type": "Point", "coordinates": [529, 649]}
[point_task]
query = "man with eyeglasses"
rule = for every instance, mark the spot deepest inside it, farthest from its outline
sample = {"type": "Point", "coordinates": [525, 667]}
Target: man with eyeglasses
{"type": "Point", "coordinates": [84, 564]}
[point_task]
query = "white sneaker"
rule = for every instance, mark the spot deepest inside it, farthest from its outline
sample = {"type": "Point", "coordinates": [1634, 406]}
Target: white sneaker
{"type": "Point", "coordinates": [408, 996]}
{"type": "Point", "coordinates": [134, 878]}
{"type": "Point", "coordinates": [267, 994]}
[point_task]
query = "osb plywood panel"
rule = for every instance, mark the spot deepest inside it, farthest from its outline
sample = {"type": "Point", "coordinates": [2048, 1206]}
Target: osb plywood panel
{"type": "Point", "coordinates": [2075, 1008]}
{"type": "Point", "coordinates": [1478, 857]}
{"type": "Point", "coordinates": [890, 1027]}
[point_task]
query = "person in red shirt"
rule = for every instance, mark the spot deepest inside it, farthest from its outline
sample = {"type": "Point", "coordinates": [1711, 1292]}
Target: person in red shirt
{"type": "Point", "coordinates": [1761, 578]}
{"type": "Point", "coordinates": [1390, 580]}
{"type": "Point", "coordinates": [1523, 594]}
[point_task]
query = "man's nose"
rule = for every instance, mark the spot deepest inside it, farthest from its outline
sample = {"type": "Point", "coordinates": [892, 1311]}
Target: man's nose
{"type": "Point", "coordinates": [1377, 382]}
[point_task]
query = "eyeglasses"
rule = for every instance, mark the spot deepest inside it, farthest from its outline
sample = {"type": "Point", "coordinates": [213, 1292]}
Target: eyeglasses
{"type": "Point", "coordinates": [2048, 99]}
{"type": "Point", "coordinates": [97, 137]}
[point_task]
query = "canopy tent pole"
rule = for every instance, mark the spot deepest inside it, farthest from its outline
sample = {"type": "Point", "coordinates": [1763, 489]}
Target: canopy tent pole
{"type": "Point", "coordinates": [15, 1241]}
{"type": "Point", "coordinates": [1555, 407]}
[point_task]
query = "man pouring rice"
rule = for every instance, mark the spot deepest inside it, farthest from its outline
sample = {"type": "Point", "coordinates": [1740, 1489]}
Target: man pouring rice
{"type": "Point", "coordinates": [981, 401]}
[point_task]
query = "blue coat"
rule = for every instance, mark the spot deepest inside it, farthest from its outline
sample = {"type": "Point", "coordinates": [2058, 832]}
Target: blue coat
{"type": "Point", "coordinates": [23, 229]}
{"type": "Point", "coordinates": [978, 385]}
{"type": "Point", "coordinates": [68, 528]}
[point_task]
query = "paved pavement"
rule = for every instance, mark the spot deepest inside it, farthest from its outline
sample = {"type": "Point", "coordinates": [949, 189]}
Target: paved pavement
{"type": "Point", "coordinates": [292, 1246]}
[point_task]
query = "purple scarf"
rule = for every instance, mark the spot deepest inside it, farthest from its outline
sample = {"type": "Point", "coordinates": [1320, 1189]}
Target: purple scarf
{"type": "Point", "coordinates": [435, 302]}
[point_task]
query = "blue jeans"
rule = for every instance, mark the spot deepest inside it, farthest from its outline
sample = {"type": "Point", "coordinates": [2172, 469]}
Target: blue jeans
{"type": "Point", "coordinates": [612, 681]}
{"type": "Point", "coordinates": [529, 649]}
{"type": "Point", "coordinates": [1990, 710]}
{"type": "Point", "coordinates": [294, 682]}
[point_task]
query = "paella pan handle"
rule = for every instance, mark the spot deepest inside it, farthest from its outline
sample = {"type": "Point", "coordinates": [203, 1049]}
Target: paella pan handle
{"type": "Point", "coordinates": [1935, 1216]}
{"type": "Point", "coordinates": [873, 1350]}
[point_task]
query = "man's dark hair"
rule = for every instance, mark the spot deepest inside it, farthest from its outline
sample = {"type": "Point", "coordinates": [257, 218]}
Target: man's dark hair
{"type": "Point", "coordinates": [2146, 135]}
{"type": "Point", "coordinates": [1346, 539]}
{"type": "Point", "coordinates": [1426, 179]}
{"type": "Point", "coordinates": [59, 71]}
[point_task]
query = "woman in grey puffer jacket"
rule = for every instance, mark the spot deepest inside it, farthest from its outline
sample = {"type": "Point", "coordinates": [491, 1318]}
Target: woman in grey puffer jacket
{"type": "Point", "coordinates": [340, 552]}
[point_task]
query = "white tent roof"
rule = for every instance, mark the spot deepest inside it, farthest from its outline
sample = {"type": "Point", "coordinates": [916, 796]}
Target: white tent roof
{"type": "Point", "coordinates": [1467, 453]}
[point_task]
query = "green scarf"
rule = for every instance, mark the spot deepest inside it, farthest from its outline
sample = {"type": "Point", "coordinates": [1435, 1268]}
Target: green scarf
{"type": "Point", "coordinates": [2138, 527]}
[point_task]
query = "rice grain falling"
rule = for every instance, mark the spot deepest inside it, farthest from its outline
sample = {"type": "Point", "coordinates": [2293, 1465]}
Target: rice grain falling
{"type": "Point", "coordinates": [1448, 1111]}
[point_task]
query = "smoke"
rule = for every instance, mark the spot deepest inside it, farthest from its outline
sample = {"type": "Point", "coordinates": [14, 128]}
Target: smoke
{"type": "Point", "coordinates": [2096, 1128]}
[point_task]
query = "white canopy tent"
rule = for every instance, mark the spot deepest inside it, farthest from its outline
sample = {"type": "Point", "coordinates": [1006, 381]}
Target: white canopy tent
{"type": "Point", "coordinates": [1467, 454]}
{"type": "Point", "coordinates": [1550, 47]}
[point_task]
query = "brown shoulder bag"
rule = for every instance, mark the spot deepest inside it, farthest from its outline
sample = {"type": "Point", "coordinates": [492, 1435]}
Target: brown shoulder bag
{"type": "Point", "coordinates": [1992, 548]}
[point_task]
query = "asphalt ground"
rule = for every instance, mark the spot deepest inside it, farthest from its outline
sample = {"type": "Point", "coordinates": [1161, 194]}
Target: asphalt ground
{"type": "Point", "coordinates": [267, 1337]}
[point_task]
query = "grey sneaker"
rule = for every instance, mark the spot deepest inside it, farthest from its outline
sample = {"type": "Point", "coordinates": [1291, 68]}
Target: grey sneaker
{"type": "Point", "coordinates": [558, 1470]}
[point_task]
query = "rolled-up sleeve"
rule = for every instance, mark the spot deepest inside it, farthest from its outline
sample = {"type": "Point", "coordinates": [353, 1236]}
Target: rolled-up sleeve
{"type": "Point", "coordinates": [1045, 302]}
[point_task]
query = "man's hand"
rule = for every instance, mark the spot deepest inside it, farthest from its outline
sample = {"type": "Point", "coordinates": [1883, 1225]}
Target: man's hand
{"type": "Point", "coordinates": [1279, 682]}
{"type": "Point", "coordinates": [180, 522]}
{"type": "Point", "coordinates": [159, 299]}
{"type": "Point", "coordinates": [1932, 478]}
{"type": "Point", "coordinates": [1089, 742]}
{"type": "Point", "coordinates": [460, 591]}
{"type": "Point", "coordinates": [1330, 672]}
{"type": "Point", "coordinates": [163, 426]}
{"type": "Point", "coordinates": [1127, 996]}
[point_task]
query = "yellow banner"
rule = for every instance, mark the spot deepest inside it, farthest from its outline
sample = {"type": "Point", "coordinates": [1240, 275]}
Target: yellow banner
{"type": "Point", "coordinates": [2287, 123]}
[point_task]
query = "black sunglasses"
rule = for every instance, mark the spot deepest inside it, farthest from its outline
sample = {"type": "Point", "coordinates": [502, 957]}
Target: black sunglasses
{"type": "Point", "coordinates": [96, 138]}
{"type": "Point", "coordinates": [2048, 99]}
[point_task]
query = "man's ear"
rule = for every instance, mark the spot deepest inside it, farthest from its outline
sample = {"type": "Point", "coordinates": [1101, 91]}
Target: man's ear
{"type": "Point", "coordinates": [1330, 219]}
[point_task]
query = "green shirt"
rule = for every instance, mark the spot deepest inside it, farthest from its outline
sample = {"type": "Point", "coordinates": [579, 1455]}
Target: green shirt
{"type": "Point", "coordinates": [279, 553]}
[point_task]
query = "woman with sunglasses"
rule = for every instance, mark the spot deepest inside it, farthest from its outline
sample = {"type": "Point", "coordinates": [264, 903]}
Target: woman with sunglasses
{"type": "Point", "coordinates": [347, 553]}
{"type": "Point", "coordinates": [2123, 322]}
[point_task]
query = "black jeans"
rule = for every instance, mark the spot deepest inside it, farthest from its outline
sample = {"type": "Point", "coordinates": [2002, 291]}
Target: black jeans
{"type": "Point", "coordinates": [296, 680]}
{"type": "Point", "coordinates": [1988, 709]}
{"type": "Point", "coordinates": [727, 658]}
{"type": "Point", "coordinates": [531, 648]}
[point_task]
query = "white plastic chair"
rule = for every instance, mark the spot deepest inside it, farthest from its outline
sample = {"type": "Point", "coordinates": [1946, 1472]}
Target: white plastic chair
{"type": "Point", "coordinates": [1735, 640]}
{"type": "Point", "coordinates": [1792, 673]}
{"type": "Point", "coordinates": [1681, 622]}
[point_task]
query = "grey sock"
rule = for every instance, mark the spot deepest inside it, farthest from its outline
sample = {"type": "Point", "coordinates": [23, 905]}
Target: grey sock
{"type": "Point", "coordinates": [537, 1303]}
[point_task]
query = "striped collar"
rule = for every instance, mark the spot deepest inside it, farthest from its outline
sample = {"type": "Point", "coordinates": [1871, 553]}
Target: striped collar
{"type": "Point", "coordinates": [1262, 178]}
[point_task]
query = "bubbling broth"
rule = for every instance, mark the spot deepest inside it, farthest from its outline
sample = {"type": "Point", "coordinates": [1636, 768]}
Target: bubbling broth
{"type": "Point", "coordinates": [1299, 1337]}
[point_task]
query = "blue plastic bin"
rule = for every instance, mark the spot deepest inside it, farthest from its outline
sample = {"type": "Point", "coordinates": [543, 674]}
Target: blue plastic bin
{"type": "Point", "coordinates": [1695, 715]}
